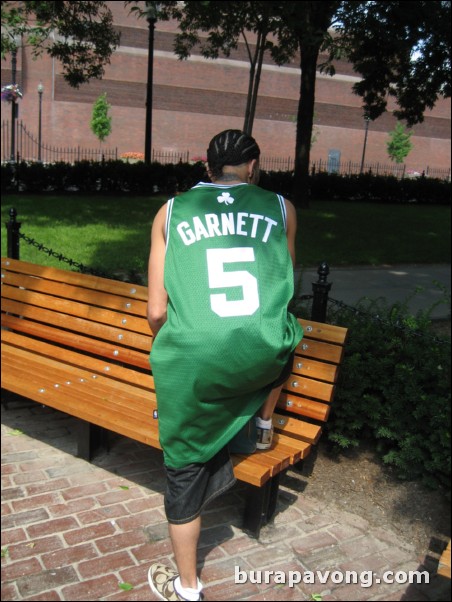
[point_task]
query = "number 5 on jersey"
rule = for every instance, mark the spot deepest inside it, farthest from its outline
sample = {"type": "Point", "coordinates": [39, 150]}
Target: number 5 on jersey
{"type": "Point", "coordinates": [219, 278]}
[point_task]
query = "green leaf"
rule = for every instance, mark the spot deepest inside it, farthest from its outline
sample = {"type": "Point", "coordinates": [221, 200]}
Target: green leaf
{"type": "Point", "coordinates": [123, 487]}
{"type": "Point", "coordinates": [16, 432]}
{"type": "Point", "coordinates": [125, 586]}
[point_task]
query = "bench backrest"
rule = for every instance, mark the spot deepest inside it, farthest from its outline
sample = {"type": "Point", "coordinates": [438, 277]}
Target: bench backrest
{"type": "Point", "coordinates": [106, 319]}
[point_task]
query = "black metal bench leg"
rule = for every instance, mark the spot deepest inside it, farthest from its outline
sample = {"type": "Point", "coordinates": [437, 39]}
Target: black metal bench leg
{"type": "Point", "coordinates": [256, 509]}
{"type": "Point", "coordinates": [273, 497]}
{"type": "Point", "coordinates": [90, 438]}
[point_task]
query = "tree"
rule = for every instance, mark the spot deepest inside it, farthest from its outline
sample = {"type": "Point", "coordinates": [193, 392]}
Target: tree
{"type": "Point", "coordinates": [294, 26]}
{"type": "Point", "coordinates": [308, 23]}
{"type": "Point", "coordinates": [85, 37]}
{"type": "Point", "coordinates": [100, 120]}
{"type": "Point", "coordinates": [226, 23]}
{"type": "Point", "coordinates": [400, 49]}
{"type": "Point", "coordinates": [399, 143]}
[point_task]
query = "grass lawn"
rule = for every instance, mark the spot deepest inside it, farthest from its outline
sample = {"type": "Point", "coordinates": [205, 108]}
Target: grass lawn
{"type": "Point", "coordinates": [112, 233]}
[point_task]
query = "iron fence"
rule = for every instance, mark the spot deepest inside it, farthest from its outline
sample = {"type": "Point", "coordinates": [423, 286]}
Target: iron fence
{"type": "Point", "coordinates": [277, 163]}
{"type": "Point", "coordinates": [378, 169]}
{"type": "Point", "coordinates": [28, 149]}
{"type": "Point", "coordinates": [165, 157]}
{"type": "Point", "coordinates": [354, 168]}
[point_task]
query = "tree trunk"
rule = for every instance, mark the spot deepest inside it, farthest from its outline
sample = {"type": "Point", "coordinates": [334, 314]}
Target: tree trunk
{"type": "Point", "coordinates": [305, 118]}
{"type": "Point", "coordinates": [254, 81]}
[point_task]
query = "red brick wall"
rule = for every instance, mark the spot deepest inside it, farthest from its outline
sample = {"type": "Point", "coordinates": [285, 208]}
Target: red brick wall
{"type": "Point", "coordinates": [194, 99]}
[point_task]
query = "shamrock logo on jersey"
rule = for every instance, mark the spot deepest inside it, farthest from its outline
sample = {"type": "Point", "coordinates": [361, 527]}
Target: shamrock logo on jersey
{"type": "Point", "coordinates": [225, 198]}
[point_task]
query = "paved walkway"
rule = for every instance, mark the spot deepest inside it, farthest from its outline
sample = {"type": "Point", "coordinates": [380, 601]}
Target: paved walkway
{"type": "Point", "coordinates": [397, 283]}
{"type": "Point", "coordinates": [73, 530]}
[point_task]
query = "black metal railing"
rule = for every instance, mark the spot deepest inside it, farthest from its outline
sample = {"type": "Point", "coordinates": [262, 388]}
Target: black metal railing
{"type": "Point", "coordinates": [320, 301]}
{"type": "Point", "coordinates": [28, 148]}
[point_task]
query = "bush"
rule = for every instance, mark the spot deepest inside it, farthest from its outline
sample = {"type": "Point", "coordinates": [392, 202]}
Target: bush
{"type": "Point", "coordinates": [139, 178]}
{"type": "Point", "coordinates": [107, 176]}
{"type": "Point", "coordinates": [394, 389]}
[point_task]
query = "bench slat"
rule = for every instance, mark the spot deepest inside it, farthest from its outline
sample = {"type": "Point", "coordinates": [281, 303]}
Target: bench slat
{"type": "Point", "coordinates": [253, 474]}
{"type": "Point", "coordinates": [87, 327]}
{"type": "Point", "coordinates": [312, 388]}
{"type": "Point", "coordinates": [297, 428]}
{"type": "Point", "coordinates": [327, 352]}
{"type": "Point", "coordinates": [315, 369]}
{"type": "Point", "coordinates": [324, 332]}
{"type": "Point", "coordinates": [126, 305]}
{"type": "Point", "coordinates": [294, 445]}
{"type": "Point", "coordinates": [113, 371]}
{"type": "Point", "coordinates": [87, 281]}
{"type": "Point", "coordinates": [33, 300]}
{"type": "Point", "coordinates": [80, 402]}
{"type": "Point", "coordinates": [78, 341]}
{"type": "Point", "coordinates": [444, 562]}
{"type": "Point", "coordinates": [274, 466]}
{"type": "Point", "coordinates": [122, 398]}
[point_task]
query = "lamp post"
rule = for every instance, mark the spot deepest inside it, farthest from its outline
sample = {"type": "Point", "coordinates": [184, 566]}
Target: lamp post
{"type": "Point", "coordinates": [13, 106]}
{"type": "Point", "coordinates": [366, 121]}
{"type": "Point", "coordinates": [152, 10]}
{"type": "Point", "coordinates": [40, 91]}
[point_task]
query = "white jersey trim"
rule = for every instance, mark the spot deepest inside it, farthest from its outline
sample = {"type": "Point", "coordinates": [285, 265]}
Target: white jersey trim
{"type": "Point", "coordinates": [169, 211]}
{"type": "Point", "coordinates": [283, 210]}
{"type": "Point", "coordinates": [281, 199]}
{"type": "Point", "coordinates": [212, 185]}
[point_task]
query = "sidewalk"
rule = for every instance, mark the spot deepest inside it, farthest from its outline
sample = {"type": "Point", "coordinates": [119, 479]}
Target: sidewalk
{"type": "Point", "coordinates": [73, 530]}
{"type": "Point", "coordinates": [396, 283]}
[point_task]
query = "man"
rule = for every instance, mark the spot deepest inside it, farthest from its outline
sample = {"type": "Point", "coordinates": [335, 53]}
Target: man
{"type": "Point", "coordinates": [220, 280]}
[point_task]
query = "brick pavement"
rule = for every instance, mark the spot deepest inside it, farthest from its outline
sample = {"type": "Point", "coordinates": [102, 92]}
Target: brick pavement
{"type": "Point", "coordinates": [72, 530]}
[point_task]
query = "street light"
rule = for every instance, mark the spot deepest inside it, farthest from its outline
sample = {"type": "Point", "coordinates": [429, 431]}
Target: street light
{"type": "Point", "coordinates": [14, 107]}
{"type": "Point", "coordinates": [366, 121]}
{"type": "Point", "coordinates": [40, 91]}
{"type": "Point", "coordinates": [152, 11]}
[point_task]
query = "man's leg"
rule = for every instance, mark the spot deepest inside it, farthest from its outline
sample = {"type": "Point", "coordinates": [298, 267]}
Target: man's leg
{"type": "Point", "coordinates": [185, 544]}
{"type": "Point", "coordinates": [269, 405]}
{"type": "Point", "coordinates": [182, 584]}
{"type": "Point", "coordinates": [264, 423]}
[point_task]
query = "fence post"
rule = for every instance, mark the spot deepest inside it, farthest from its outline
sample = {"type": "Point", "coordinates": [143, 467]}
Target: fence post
{"type": "Point", "coordinates": [13, 228]}
{"type": "Point", "coordinates": [321, 288]}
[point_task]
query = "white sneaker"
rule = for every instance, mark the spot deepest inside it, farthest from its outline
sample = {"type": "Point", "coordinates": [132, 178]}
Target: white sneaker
{"type": "Point", "coordinates": [264, 433]}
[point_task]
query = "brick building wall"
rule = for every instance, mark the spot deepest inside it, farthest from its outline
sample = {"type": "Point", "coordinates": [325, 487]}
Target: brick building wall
{"type": "Point", "coordinates": [194, 99]}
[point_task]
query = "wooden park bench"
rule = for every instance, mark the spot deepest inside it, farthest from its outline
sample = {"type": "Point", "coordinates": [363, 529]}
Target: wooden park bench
{"type": "Point", "coordinates": [444, 562]}
{"type": "Point", "coordinates": [80, 344]}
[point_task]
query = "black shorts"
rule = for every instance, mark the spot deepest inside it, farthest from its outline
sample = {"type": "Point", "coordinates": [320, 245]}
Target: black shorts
{"type": "Point", "coordinates": [191, 488]}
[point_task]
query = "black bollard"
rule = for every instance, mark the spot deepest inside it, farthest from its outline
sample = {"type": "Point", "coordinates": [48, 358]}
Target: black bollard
{"type": "Point", "coordinates": [321, 288]}
{"type": "Point", "coordinates": [13, 229]}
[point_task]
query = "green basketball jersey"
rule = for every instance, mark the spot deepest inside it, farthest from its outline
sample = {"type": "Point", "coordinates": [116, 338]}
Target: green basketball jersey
{"type": "Point", "coordinates": [229, 279]}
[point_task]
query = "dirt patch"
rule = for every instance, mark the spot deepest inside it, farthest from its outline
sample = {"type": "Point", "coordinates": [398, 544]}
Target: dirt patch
{"type": "Point", "coordinates": [358, 482]}
{"type": "Point", "coordinates": [441, 328]}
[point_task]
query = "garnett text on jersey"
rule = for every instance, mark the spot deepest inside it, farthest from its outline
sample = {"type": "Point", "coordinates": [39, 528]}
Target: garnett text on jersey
{"type": "Point", "coordinates": [225, 224]}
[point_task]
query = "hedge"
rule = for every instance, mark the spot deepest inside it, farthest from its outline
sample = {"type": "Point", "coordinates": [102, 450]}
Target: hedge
{"type": "Point", "coordinates": [139, 178]}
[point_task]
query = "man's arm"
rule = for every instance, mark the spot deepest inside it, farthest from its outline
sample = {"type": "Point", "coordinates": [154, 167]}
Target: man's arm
{"type": "Point", "coordinates": [157, 295]}
{"type": "Point", "coordinates": [291, 228]}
